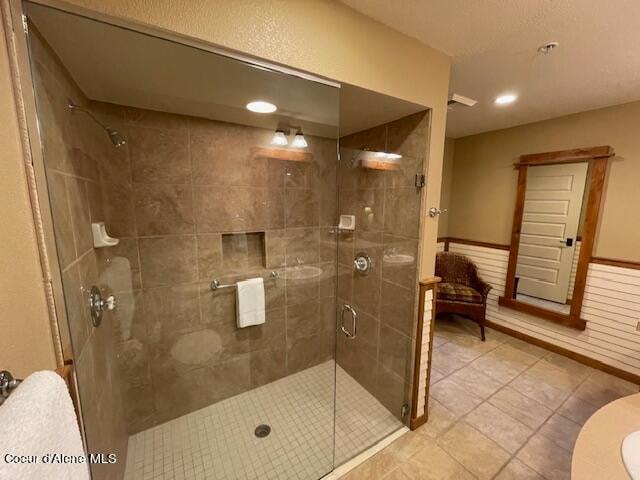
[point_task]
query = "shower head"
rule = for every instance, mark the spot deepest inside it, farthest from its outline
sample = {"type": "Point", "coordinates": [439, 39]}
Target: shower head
{"type": "Point", "coordinates": [115, 137]}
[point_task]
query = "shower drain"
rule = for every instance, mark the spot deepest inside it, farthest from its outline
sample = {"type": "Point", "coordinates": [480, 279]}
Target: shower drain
{"type": "Point", "coordinates": [262, 431]}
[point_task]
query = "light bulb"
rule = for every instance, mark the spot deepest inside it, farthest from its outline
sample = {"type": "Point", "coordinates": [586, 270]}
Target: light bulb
{"type": "Point", "coordinates": [505, 99]}
{"type": "Point", "coordinates": [279, 138]}
{"type": "Point", "coordinates": [299, 141]}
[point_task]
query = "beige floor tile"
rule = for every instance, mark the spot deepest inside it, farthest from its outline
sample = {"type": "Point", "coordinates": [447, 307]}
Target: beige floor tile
{"type": "Point", "coordinates": [577, 410]}
{"type": "Point", "coordinates": [521, 407]}
{"type": "Point", "coordinates": [527, 348]}
{"type": "Point", "coordinates": [499, 337]}
{"type": "Point", "coordinates": [546, 393]}
{"type": "Point", "coordinates": [507, 432]}
{"type": "Point", "coordinates": [432, 463]}
{"type": "Point", "coordinates": [436, 376]}
{"type": "Point", "coordinates": [451, 357]}
{"type": "Point", "coordinates": [511, 354]}
{"type": "Point", "coordinates": [376, 467]}
{"type": "Point", "coordinates": [616, 383]}
{"type": "Point", "coordinates": [403, 471]}
{"type": "Point", "coordinates": [476, 382]}
{"type": "Point", "coordinates": [476, 452]}
{"type": "Point", "coordinates": [566, 378]}
{"type": "Point", "coordinates": [475, 343]}
{"type": "Point", "coordinates": [577, 369]}
{"type": "Point", "coordinates": [544, 456]}
{"type": "Point", "coordinates": [516, 470]}
{"type": "Point", "coordinates": [601, 388]}
{"type": "Point", "coordinates": [439, 340]}
{"type": "Point", "coordinates": [440, 419]}
{"type": "Point", "coordinates": [407, 445]}
{"type": "Point", "coordinates": [504, 363]}
{"type": "Point", "coordinates": [562, 431]}
{"type": "Point", "coordinates": [454, 397]}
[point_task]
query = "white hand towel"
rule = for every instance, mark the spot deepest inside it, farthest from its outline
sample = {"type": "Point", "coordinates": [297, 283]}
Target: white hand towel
{"type": "Point", "coordinates": [38, 419]}
{"type": "Point", "coordinates": [250, 302]}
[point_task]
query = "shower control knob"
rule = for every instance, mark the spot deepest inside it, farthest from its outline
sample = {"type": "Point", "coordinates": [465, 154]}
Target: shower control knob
{"type": "Point", "coordinates": [97, 305]}
{"type": "Point", "coordinates": [362, 263]}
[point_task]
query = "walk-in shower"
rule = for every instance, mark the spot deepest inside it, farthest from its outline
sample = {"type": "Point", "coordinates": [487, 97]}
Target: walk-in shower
{"type": "Point", "coordinates": [200, 197]}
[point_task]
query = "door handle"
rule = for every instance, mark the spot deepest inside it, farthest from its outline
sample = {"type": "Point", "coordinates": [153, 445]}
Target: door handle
{"type": "Point", "coordinates": [566, 243]}
{"type": "Point", "coordinates": [354, 316]}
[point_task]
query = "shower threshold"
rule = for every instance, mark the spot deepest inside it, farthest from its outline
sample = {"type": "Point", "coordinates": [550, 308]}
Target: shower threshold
{"type": "Point", "coordinates": [218, 441]}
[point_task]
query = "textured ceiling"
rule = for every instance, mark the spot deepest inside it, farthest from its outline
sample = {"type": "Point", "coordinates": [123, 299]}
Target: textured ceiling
{"type": "Point", "coordinates": [493, 44]}
{"type": "Point", "coordinates": [124, 67]}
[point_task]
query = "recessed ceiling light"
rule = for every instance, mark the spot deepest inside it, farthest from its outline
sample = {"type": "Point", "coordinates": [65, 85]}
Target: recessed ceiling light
{"type": "Point", "coordinates": [260, 106]}
{"type": "Point", "coordinates": [506, 98]}
{"type": "Point", "coordinates": [547, 47]}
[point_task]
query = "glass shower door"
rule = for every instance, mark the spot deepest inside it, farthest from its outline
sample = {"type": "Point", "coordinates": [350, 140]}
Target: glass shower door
{"type": "Point", "coordinates": [376, 281]}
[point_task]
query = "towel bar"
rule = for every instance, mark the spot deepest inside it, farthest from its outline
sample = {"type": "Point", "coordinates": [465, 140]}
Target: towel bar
{"type": "Point", "coordinates": [215, 284]}
{"type": "Point", "coordinates": [7, 384]}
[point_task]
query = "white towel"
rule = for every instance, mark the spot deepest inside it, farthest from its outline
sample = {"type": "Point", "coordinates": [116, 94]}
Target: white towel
{"type": "Point", "coordinates": [38, 419]}
{"type": "Point", "coordinates": [250, 302]}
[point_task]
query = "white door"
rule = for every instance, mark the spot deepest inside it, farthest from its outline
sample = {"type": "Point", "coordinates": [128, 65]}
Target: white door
{"type": "Point", "coordinates": [552, 205]}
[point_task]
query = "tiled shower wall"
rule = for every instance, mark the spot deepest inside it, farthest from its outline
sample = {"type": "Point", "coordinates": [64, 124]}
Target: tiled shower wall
{"type": "Point", "coordinates": [386, 204]}
{"type": "Point", "coordinates": [73, 148]}
{"type": "Point", "coordinates": [192, 200]}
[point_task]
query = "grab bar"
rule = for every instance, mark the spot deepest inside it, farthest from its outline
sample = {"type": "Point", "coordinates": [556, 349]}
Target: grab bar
{"type": "Point", "coordinates": [354, 319]}
{"type": "Point", "coordinates": [215, 284]}
{"type": "Point", "coordinates": [7, 384]}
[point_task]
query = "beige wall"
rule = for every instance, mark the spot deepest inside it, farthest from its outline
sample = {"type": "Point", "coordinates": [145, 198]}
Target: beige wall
{"type": "Point", "coordinates": [320, 36]}
{"type": "Point", "coordinates": [484, 180]}
{"type": "Point", "coordinates": [24, 323]}
{"type": "Point", "coordinates": [445, 194]}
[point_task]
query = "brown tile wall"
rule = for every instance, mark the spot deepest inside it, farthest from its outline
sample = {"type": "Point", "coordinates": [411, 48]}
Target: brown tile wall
{"type": "Point", "coordinates": [174, 195]}
{"type": "Point", "coordinates": [73, 148]}
{"type": "Point", "coordinates": [387, 209]}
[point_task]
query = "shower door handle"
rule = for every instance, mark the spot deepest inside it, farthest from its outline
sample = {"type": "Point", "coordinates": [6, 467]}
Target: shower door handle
{"type": "Point", "coordinates": [354, 316]}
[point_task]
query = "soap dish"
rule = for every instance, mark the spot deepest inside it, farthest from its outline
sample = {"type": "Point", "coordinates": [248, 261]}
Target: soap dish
{"type": "Point", "coordinates": [101, 238]}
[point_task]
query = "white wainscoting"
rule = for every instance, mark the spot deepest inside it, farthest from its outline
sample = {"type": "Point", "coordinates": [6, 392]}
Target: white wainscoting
{"type": "Point", "coordinates": [611, 309]}
{"type": "Point", "coordinates": [424, 349]}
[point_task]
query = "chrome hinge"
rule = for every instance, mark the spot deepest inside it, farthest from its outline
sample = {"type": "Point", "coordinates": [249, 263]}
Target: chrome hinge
{"type": "Point", "coordinates": [404, 411]}
{"type": "Point", "coordinates": [25, 25]}
{"type": "Point", "coordinates": [420, 180]}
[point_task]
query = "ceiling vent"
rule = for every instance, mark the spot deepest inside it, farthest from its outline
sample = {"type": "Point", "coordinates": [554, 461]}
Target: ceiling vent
{"type": "Point", "coordinates": [457, 99]}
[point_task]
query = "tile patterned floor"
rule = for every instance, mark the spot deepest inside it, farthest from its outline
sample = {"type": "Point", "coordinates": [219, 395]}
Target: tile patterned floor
{"type": "Point", "coordinates": [217, 442]}
{"type": "Point", "coordinates": [501, 409]}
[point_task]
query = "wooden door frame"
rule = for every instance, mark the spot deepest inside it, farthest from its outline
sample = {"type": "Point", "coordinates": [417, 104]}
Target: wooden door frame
{"type": "Point", "coordinates": [598, 158]}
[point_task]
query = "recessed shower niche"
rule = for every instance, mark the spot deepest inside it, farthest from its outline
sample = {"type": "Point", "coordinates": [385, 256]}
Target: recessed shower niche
{"type": "Point", "coordinates": [242, 252]}
{"type": "Point", "coordinates": [196, 192]}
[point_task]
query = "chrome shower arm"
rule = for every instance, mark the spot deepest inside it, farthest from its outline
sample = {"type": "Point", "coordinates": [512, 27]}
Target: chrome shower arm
{"type": "Point", "coordinates": [73, 106]}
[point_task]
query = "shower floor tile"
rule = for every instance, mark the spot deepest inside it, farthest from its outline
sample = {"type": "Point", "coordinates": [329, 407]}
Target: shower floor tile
{"type": "Point", "coordinates": [218, 441]}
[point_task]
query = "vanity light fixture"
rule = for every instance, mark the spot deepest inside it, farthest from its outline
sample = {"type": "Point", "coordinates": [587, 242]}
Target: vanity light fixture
{"type": "Point", "coordinates": [299, 141]}
{"type": "Point", "coordinates": [387, 155]}
{"type": "Point", "coordinates": [506, 98]}
{"type": "Point", "coordinates": [279, 139]}
{"type": "Point", "coordinates": [260, 106]}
